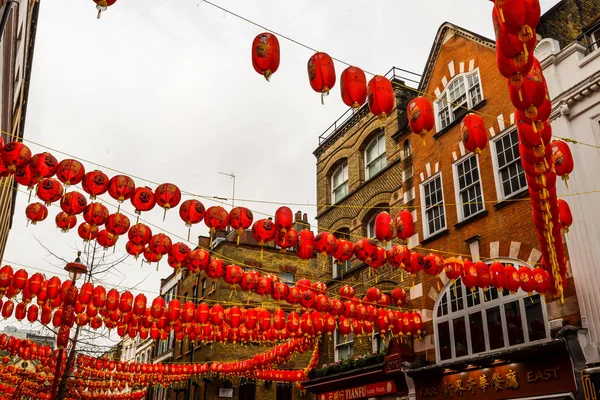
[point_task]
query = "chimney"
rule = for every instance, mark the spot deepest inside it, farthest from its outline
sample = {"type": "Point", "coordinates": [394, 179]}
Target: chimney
{"type": "Point", "coordinates": [301, 221]}
{"type": "Point", "coordinates": [298, 216]}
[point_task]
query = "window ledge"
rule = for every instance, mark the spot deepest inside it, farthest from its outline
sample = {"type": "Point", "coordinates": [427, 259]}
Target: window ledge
{"type": "Point", "coordinates": [472, 218]}
{"type": "Point", "coordinates": [510, 200]}
{"type": "Point", "coordinates": [435, 236]}
{"type": "Point", "coordinates": [452, 124]}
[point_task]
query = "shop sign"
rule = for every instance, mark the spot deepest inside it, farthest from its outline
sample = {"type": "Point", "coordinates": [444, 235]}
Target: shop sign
{"type": "Point", "coordinates": [225, 392]}
{"type": "Point", "coordinates": [521, 379]}
{"type": "Point", "coordinates": [360, 392]}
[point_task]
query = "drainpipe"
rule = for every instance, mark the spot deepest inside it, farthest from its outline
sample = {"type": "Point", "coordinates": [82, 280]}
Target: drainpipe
{"type": "Point", "coordinates": [5, 15]}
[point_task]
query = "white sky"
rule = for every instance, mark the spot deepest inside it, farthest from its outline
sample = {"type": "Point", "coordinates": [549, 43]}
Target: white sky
{"type": "Point", "coordinates": [165, 90]}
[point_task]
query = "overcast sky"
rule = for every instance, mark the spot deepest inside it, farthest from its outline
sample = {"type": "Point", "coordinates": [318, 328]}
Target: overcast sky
{"type": "Point", "coordinates": [165, 90]}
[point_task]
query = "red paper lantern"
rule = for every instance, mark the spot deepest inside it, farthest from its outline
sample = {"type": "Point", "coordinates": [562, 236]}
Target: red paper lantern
{"type": "Point", "coordinates": [73, 203]}
{"type": "Point", "coordinates": [474, 135]}
{"type": "Point", "coordinates": [167, 196]}
{"type": "Point", "coordinates": [49, 190]}
{"type": "Point", "coordinates": [365, 250]}
{"type": "Point", "coordinates": [520, 17]}
{"type": "Point", "coordinates": [305, 245]}
{"type": "Point", "coordinates": [512, 282]}
{"type": "Point", "coordinates": [143, 199]}
{"type": "Point", "coordinates": [344, 250]}
{"type": "Point", "coordinates": [180, 253]}
{"type": "Point", "coordinates": [65, 221]}
{"type": "Point", "coordinates": [216, 219]}
{"type": "Point", "coordinates": [405, 226]}
{"type": "Point", "coordinates": [121, 187]}
{"type": "Point", "coordinates": [321, 73]}
{"type": "Point", "coordinates": [95, 183]}
{"type": "Point", "coordinates": [346, 292]}
{"type": "Point", "coordinates": [265, 54]}
{"type": "Point", "coordinates": [36, 212]}
{"type": "Point", "coordinates": [87, 232]}
{"type": "Point", "coordinates": [563, 159]}
{"type": "Point", "coordinates": [240, 219]}
{"type": "Point", "coordinates": [15, 155]}
{"type": "Point", "coordinates": [102, 5]}
{"type": "Point", "coordinates": [70, 172]}
{"type": "Point", "coordinates": [215, 269]}
{"type": "Point", "coordinates": [420, 116]}
{"type": "Point", "coordinates": [43, 165]}
{"type": "Point", "coordinates": [117, 224]}
{"type": "Point", "coordinates": [434, 264]}
{"type": "Point", "coordinates": [160, 244]}
{"type": "Point", "coordinates": [139, 234]}
{"type": "Point", "coordinates": [198, 260]}
{"type": "Point", "coordinates": [381, 97]}
{"type": "Point", "coordinates": [284, 218]}
{"type": "Point", "coordinates": [541, 280]}
{"type": "Point", "coordinates": [399, 296]}
{"type": "Point", "coordinates": [417, 262]}
{"type": "Point", "coordinates": [469, 277]}
{"type": "Point", "coordinates": [95, 214]}
{"type": "Point", "coordinates": [106, 239]}
{"type": "Point", "coordinates": [373, 294]}
{"type": "Point", "coordinates": [498, 273]}
{"type": "Point", "coordinates": [325, 243]}
{"type": "Point", "coordinates": [526, 279]}
{"type": "Point", "coordinates": [564, 215]}
{"type": "Point", "coordinates": [398, 256]}
{"type": "Point", "coordinates": [24, 177]}
{"type": "Point", "coordinates": [484, 277]}
{"type": "Point", "coordinates": [453, 268]}
{"type": "Point", "coordinates": [134, 249]}
{"type": "Point", "coordinates": [353, 85]}
{"type": "Point", "coordinates": [383, 227]}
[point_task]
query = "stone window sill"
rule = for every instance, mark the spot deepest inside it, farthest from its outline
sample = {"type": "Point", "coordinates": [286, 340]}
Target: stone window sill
{"type": "Point", "coordinates": [435, 236]}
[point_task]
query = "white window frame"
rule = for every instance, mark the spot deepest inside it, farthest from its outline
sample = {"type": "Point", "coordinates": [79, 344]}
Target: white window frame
{"type": "Point", "coordinates": [482, 307]}
{"type": "Point", "coordinates": [376, 340]}
{"type": "Point", "coordinates": [425, 221]}
{"type": "Point", "coordinates": [291, 278]}
{"type": "Point", "coordinates": [381, 156]}
{"type": "Point", "coordinates": [457, 189]}
{"type": "Point", "coordinates": [336, 345]}
{"type": "Point", "coordinates": [408, 173]}
{"type": "Point", "coordinates": [444, 98]}
{"type": "Point", "coordinates": [342, 167]}
{"type": "Point", "coordinates": [497, 176]}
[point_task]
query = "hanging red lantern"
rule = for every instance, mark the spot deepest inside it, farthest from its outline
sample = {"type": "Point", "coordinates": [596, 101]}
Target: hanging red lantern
{"type": "Point", "coordinates": [152, 257]}
{"type": "Point", "coordinates": [286, 240]}
{"type": "Point", "coordinates": [95, 214]}
{"type": "Point", "coordinates": [498, 273]}
{"type": "Point", "coordinates": [24, 177]}
{"type": "Point", "coordinates": [43, 165]}
{"type": "Point", "coordinates": [167, 196]}
{"type": "Point", "coordinates": [433, 264]}
{"type": "Point", "coordinates": [106, 239]}
{"type": "Point", "coordinates": [198, 260]}
{"type": "Point", "coordinates": [73, 203]}
{"type": "Point", "coordinates": [70, 172]}
{"type": "Point", "coordinates": [405, 226]}
{"type": "Point", "coordinates": [564, 215]}
{"type": "Point", "coordinates": [365, 250]}
{"type": "Point", "coordinates": [531, 94]}
{"type": "Point", "coordinates": [484, 277]}
{"type": "Point", "coordinates": [474, 135]}
{"type": "Point", "coordinates": [117, 224]}
{"type": "Point", "coordinates": [265, 54]}
{"type": "Point", "coordinates": [191, 212]}
{"type": "Point", "coordinates": [383, 227]}
{"type": "Point", "coordinates": [541, 280]}
{"type": "Point", "coordinates": [143, 199]}
{"type": "Point", "coordinates": [353, 85]}
{"type": "Point", "coordinates": [121, 187]}
{"type": "Point", "coordinates": [87, 232]}
{"type": "Point", "coordinates": [134, 249]}
{"type": "Point", "coordinates": [399, 296]}
{"type": "Point", "coordinates": [563, 159]}
{"type": "Point", "coordinates": [453, 267]}
{"type": "Point", "coordinates": [373, 294]}
{"type": "Point", "coordinates": [305, 244]}
{"type": "Point", "coordinates": [381, 97]}
{"type": "Point", "coordinates": [102, 5]}
{"type": "Point", "coordinates": [398, 256]}
{"type": "Point", "coordinates": [526, 279]}
{"type": "Point", "coordinates": [160, 244]}
{"type": "Point", "coordinates": [512, 282]}
{"type": "Point", "coordinates": [95, 183]}
{"type": "Point", "coordinates": [417, 262]}
{"type": "Point", "coordinates": [215, 269]}
{"type": "Point", "coordinates": [321, 73]}
{"type": "Point", "coordinates": [344, 250]}
{"type": "Point", "coordinates": [34, 284]}
{"type": "Point", "coordinates": [520, 17]}
{"type": "Point", "coordinates": [15, 155]}
{"type": "Point", "coordinates": [346, 292]}
{"type": "Point", "coordinates": [65, 221]}
{"type": "Point", "coordinates": [325, 243]}
{"type": "Point", "coordinates": [469, 277]}
{"type": "Point", "coordinates": [420, 116]}
{"type": "Point", "coordinates": [284, 219]}
{"type": "Point", "coordinates": [36, 212]}
{"type": "Point", "coordinates": [49, 190]}
{"type": "Point", "coordinates": [216, 219]}
{"type": "Point", "coordinates": [180, 253]}
{"type": "Point", "coordinates": [139, 234]}
{"type": "Point", "coordinates": [263, 231]}
{"type": "Point", "coordinates": [240, 219]}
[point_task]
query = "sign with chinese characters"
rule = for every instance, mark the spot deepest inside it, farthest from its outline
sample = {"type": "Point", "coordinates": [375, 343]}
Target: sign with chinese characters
{"type": "Point", "coordinates": [225, 392]}
{"type": "Point", "coordinates": [535, 376]}
{"type": "Point", "coordinates": [360, 392]}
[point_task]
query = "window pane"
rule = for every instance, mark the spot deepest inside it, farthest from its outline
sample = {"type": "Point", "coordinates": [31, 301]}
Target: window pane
{"type": "Point", "coordinates": [514, 325]}
{"type": "Point", "coordinates": [460, 337]}
{"type": "Point", "coordinates": [491, 294]}
{"type": "Point", "coordinates": [443, 306]}
{"type": "Point", "coordinates": [444, 340]}
{"type": "Point", "coordinates": [535, 318]}
{"type": "Point", "coordinates": [457, 298]}
{"type": "Point", "coordinates": [495, 332]}
{"type": "Point", "coordinates": [477, 333]}
{"type": "Point", "coordinates": [512, 176]}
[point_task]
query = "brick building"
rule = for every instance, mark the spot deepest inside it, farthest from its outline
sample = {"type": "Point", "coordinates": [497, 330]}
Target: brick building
{"type": "Point", "coordinates": [463, 204]}
{"type": "Point", "coordinates": [199, 287]}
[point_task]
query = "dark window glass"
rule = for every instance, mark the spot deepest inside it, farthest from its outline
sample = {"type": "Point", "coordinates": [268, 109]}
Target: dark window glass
{"type": "Point", "coordinates": [514, 324]}
{"type": "Point", "coordinates": [456, 298]}
{"type": "Point", "coordinates": [494, 323]}
{"type": "Point", "coordinates": [444, 338]}
{"type": "Point", "coordinates": [477, 335]}
{"type": "Point", "coordinates": [535, 318]}
{"type": "Point", "coordinates": [473, 298]}
{"type": "Point", "coordinates": [460, 337]}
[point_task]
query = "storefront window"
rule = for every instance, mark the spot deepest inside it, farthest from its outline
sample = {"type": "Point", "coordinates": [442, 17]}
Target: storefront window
{"type": "Point", "coordinates": [472, 322]}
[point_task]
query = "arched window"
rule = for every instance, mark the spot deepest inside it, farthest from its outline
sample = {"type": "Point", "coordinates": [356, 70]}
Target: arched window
{"type": "Point", "coordinates": [468, 323]}
{"type": "Point", "coordinates": [462, 93]}
{"type": "Point", "coordinates": [339, 183]}
{"type": "Point", "coordinates": [375, 159]}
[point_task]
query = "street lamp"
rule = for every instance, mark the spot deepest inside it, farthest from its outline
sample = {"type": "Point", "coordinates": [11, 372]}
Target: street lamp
{"type": "Point", "coordinates": [76, 269]}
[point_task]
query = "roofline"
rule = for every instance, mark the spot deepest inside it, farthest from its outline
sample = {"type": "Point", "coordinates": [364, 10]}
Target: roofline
{"type": "Point", "coordinates": [437, 43]}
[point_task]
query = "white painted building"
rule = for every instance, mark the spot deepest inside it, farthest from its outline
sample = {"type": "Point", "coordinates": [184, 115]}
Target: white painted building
{"type": "Point", "coordinates": [573, 78]}
{"type": "Point", "coordinates": [143, 350]}
{"type": "Point", "coordinates": [128, 351]}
